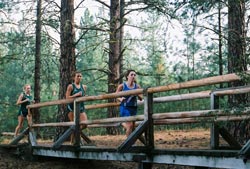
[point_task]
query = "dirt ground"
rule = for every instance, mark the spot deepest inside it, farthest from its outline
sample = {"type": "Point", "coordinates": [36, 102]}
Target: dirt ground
{"type": "Point", "coordinates": [186, 139]}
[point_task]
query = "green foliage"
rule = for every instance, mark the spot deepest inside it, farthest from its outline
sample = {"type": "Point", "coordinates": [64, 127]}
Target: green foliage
{"type": "Point", "coordinates": [90, 58]}
{"type": "Point", "coordinates": [17, 68]}
{"type": "Point", "coordinates": [245, 77]}
{"type": "Point", "coordinates": [2, 5]}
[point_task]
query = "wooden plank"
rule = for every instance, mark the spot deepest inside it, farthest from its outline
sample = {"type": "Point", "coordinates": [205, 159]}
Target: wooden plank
{"type": "Point", "coordinates": [196, 83]}
{"type": "Point", "coordinates": [50, 103]}
{"type": "Point", "coordinates": [126, 145]}
{"type": "Point", "coordinates": [229, 138]}
{"type": "Point", "coordinates": [181, 97]}
{"type": "Point", "coordinates": [32, 138]}
{"type": "Point", "coordinates": [57, 124]}
{"type": "Point", "coordinates": [102, 105]}
{"type": "Point", "coordinates": [188, 114]}
{"type": "Point", "coordinates": [104, 125]}
{"type": "Point", "coordinates": [7, 134]}
{"type": "Point", "coordinates": [114, 120]}
{"type": "Point", "coordinates": [65, 135]}
{"type": "Point", "coordinates": [196, 95]}
{"type": "Point", "coordinates": [245, 150]}
{"type": "Point", "coordinates": [189, 157]}
{"type": "Point", "coordinates": [19, 137]}
{"type": "Point", "coordinates": [201, 120]}
{"type": "Point", "coordinates": [86, 138]}
{"type": "Point", "coordinates": [197, 113]}
{"type": "Point", "coordinates": [109, 95]}
{"type": "Point", "coordinates": [232, 91]}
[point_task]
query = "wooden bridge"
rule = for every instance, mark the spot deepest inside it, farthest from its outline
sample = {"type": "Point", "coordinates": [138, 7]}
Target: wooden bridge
{"type": "Point", "coordinates": [234, 156]}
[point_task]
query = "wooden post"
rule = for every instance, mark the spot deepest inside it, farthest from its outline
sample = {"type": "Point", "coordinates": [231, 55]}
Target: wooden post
{"type": "Point", "coordinates": [29, 117]}
{"type": "Point", "coordinates": [214, 130]}
{"type": "Point", "coordinates": [32, 133]}
{"type": "Point", "coordinates": [149, 132]}
{"type": "Point", "coordinates": [148, 112]}
{"type": "Point", "coordinates": [77, 123]}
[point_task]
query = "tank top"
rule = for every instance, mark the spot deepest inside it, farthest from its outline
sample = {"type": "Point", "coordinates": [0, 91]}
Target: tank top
{"type": "Point", "coordinates": [76, 90]}
{"type": "Point", "coordinates": [129, 101]}
{"type": "Point", "coordinates": [23, 105]}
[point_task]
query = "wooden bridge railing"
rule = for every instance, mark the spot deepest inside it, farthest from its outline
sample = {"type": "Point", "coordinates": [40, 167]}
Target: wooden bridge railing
{"type": "Point", "coordinates": [146, 121]}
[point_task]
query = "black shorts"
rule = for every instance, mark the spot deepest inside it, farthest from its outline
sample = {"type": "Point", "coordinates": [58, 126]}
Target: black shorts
{"type": "Point", "coordinates": [22, 113]}
{"type": "Point", "coordinates": [70, 107]}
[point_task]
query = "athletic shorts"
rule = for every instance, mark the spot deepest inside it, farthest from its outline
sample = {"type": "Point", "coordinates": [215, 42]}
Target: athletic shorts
{"type": "Point", "coordinates": [22, 113]}
{"type": "Point", "coordinates": [70, 107]}
{"type": "Point", "coordinates": [127, 111]}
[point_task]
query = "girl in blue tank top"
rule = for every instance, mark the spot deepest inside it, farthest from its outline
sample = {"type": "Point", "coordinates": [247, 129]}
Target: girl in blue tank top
{"type": "Point", "coordinates": [129, 101]}
{"type": "Point", "coordinates": [128, 106]}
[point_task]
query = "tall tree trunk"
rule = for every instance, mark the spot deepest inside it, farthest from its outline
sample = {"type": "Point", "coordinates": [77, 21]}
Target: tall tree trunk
{"type": "Point", "coordinates": [121, 47]}
{"type": "Point", "coordinates": [67, 59]}
{"type": "Point", "coordinates": [114, 56]}
{"type": "Point", "coordinates": [236, 37]}
{"type": "Point", "coordinates": [37, 86]}
{"type": "Point", "coordinates": [237, 60]}
{"type": "Point", "coordinates": [220, 42]}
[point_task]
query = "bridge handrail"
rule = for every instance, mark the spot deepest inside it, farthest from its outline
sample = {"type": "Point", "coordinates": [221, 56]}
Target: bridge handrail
{"type": "Point", "coordinates": [189, 84]}
{"type": "Point", "coordinates": [202, 94]}
{"type": "Point", "coordinates": [196, 83]}
{"type": "Point", "coordinates": [170, 116]}
{"type": "Point", "coordinates": [86, 98]}
{"type": "Point", "coordinates": [232, 91]}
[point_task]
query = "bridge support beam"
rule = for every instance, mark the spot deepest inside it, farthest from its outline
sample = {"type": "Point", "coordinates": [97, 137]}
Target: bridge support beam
{"type": "Point", "coordinates": [19, 137]}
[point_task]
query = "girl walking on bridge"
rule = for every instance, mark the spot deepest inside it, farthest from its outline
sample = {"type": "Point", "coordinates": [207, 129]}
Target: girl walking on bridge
{"type": "Point", "coordinates": [24, 99]}
{"type": "Point", "coordinates": [74, 90]}
{"type": "Point", "coordinates": [128, 106]}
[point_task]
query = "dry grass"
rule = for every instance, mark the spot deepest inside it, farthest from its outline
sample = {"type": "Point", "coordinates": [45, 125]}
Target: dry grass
{"type": "Point", "coordinates": [194, 138]}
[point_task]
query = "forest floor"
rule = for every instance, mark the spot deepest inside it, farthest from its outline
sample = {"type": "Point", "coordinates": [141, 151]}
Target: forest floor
{"type": "Point", "coordinates": [186, 139]}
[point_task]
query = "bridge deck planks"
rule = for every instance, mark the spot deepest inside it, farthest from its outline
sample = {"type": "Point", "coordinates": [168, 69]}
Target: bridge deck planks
{"type": "Point", "coordinates": [189, 157]}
